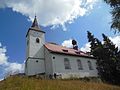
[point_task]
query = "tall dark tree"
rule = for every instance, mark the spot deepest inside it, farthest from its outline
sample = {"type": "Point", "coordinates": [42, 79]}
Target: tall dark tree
{"type": "Point", "coordinates": [110, 52]}
{"type": "Point", "coordinates": [98, 53]}
{"type": "Point", "coordinates": [115, 5]}
{"type": "Point", "coordinates": [108, 58]}
{"type": "Point", "coordinates": [94, 42]}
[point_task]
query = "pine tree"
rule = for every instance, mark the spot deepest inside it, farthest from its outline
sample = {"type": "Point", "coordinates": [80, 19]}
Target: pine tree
{"type": "Point", "coordinates": [108, 58]}
{"type": "Point", "coordinates": [96, 51]}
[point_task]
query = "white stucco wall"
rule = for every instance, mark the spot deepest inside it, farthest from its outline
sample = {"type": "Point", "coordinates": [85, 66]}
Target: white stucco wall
{"type": "Point", "coordinates": [35, 52]}
{"type": "Point", "coordinates": [35, 66]}
{"type": "Point", "coordinates": [36, 49]}
{"type": "Point", "coordinates": [27, 46]}
{"type": "Point", "coordinates": [48, 62]}
{"type": "Point", "coordinates": [59, 68]}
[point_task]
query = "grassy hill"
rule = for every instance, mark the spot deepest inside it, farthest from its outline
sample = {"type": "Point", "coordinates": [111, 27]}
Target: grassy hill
{"type": "Point", "coordinates": [25, 83]}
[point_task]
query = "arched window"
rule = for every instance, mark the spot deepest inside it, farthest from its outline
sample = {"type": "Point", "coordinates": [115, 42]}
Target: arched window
{"type": "Point", "coordinates": [79, 63]}
{"type": "Point", "coordinates": [67, 63]}
{"type": "Point", "coordinates": [90, 65]}
{"type": "Point", "coordinates": [37, 40]}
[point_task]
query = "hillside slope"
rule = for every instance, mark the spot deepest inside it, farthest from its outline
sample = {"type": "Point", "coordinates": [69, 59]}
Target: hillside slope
{"type": "Point", "coordinates": [24, 83]}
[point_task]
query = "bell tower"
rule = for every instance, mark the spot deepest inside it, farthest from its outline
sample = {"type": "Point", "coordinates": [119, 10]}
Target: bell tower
{"type": "Point", "coordinates": [35, 40]}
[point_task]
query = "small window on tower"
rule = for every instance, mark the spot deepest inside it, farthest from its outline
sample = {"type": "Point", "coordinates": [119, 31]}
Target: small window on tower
{"type": "Point", "coordinates": [37, 40]}
{"type": "Point", "coordinates": [27, 42]}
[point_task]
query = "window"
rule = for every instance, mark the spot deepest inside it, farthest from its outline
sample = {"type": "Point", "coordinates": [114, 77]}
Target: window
{"type": "Point", "coordinates": [27, 42]}
{"type": "Point", "coordinates": [77, 52]}
{"type": "Point", "coordinates": [53, 57]}
{"type": "Point", "coordinates": [64, 50]}
{"type": "Point", "coordinates": [67, 63]}
{"type": "Point", "coordinates": [80, 67]}
{"type": "Point", "coordinates": [37, 40]}
{"type": "Point", "coordinates": [90, 65]}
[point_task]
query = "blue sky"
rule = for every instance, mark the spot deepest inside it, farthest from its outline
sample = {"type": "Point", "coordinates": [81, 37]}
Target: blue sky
{"type": "Point", "coordinates": [15, 21]}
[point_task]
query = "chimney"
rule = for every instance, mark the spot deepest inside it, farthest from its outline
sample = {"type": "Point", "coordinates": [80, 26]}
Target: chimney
{"type": "Point", "coordinates": [74, 43]}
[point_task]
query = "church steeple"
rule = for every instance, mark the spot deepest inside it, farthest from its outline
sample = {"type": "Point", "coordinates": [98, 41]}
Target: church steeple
{"type": "Point", "coordinates": [34, 27]}
{"type": "Point", "coordinates": [35, 24]}
{"type": "Point", "coordinates": [35, 49]}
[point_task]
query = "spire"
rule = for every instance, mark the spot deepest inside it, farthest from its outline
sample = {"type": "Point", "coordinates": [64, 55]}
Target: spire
{"type": "Point", "coordinates": [35, 26]}
{"type": "Point", "coordinates": [35, 23]}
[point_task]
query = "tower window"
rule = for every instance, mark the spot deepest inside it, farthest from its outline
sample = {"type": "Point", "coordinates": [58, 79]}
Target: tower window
{"type": "Point", "coordinates": [37, 40]}
{"type": "Point", "coordinates": [27, 42]}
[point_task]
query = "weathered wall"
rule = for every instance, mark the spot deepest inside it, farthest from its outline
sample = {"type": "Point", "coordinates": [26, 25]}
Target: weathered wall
{"type": "Point", "coordinates": [35, 66]}
{"type": "Point", "coordinates": [58, 66]}
{"type": "Point", "coordinates": [35, 53]}
{"type": "Point", "coordinates": [48, 62]}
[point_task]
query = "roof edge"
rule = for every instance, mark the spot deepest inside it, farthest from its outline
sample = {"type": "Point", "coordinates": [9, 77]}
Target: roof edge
{"type": "Point", "coordinates": [33, 30]}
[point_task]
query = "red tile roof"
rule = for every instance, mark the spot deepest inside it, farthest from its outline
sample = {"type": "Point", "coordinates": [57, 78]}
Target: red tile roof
{"type": "Point", "coordinates": [64, 50]}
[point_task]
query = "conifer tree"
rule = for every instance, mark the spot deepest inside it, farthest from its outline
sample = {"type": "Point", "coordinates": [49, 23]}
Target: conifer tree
{"type": "Point", "coordinates": [108, 58]}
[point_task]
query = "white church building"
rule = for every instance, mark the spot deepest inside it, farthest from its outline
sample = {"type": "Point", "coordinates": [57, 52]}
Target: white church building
{"type": "Point", "coordinates": [50, 58]}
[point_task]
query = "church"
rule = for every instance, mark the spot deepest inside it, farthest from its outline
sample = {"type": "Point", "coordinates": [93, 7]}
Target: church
{"type": "Point", "coordinates": [50, 58]}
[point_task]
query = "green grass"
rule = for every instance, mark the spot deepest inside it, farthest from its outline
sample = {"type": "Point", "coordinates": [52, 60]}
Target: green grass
{"type": "Point", "coordinates": [25, 83]}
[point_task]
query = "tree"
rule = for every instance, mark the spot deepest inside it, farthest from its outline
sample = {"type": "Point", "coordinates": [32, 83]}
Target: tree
{"type": "Point", "coordinates": [108, 58]}
{"type": "Point", "coordinates": [115, 5]}
{"type": "Point", "coordinates": [98, 53]}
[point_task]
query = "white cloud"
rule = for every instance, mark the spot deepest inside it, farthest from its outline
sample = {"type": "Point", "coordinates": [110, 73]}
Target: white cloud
{"type": "Point", "coordinates": [3, 57]}
{"type": "Point", "coordinates": [8, 67]}
{"type": "Point", "coordinates": [1, 79]}
{"type": "Point", "coordinates": [51, 12]}
{"type": "Point", "coordinates": [116, 41]}
{"type": "Point", "coordinates": [2, 4]}
{"type": "Point", "coordinates": [67, 43]}
{"type": "Point", "coordinates": [85, 48]}
{"type": "Point", "coordinates": [13, 68]}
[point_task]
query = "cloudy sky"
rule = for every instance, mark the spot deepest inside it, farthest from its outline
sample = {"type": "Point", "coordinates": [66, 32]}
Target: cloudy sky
{"type": "Point", "coordinates": [62, 20]}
